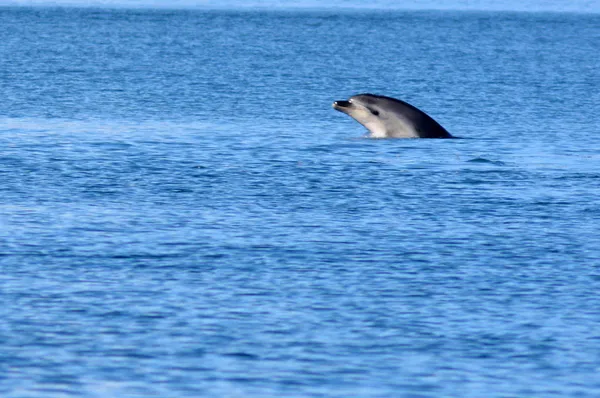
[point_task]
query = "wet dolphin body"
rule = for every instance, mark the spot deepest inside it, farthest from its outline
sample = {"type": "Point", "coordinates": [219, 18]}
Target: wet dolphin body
{"type": "Point", "coordinates": [387, 117]}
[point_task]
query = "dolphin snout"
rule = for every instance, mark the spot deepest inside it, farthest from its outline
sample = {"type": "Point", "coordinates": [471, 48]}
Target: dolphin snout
{"type": "Point", "coordinates": [341, 104]}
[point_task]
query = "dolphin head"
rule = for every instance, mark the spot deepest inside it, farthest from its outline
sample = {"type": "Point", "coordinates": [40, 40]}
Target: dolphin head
{"type": "Point", "coordinates": [380, 115]}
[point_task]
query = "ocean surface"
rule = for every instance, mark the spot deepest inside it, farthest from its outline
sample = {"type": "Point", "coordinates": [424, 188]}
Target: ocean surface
{"type": "Point", "coordinates": [183, 214]}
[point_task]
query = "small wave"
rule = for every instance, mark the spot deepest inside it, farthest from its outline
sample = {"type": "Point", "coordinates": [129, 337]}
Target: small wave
{"type": "Point", "coordinates": [486, 161]}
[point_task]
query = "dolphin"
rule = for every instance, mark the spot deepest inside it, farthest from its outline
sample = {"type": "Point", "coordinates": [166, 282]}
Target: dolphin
{"type": "Point", "coordinates": [387, 117]}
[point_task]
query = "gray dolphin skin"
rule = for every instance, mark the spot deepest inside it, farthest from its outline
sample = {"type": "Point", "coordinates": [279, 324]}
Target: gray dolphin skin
{"type": "Point", "coordinates": [387, 117]}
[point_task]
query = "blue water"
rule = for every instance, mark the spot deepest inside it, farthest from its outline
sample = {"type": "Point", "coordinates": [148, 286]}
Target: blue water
{"type": "Point", "coordinates": [183, 214]}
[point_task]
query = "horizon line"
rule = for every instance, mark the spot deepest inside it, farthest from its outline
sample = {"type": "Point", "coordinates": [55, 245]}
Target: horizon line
{"type": "Point", "coordinates": [294, 7]}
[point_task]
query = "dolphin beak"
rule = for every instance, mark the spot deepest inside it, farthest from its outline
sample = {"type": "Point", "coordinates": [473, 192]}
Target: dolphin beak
{"type": "Point", "coordinates": [342, 106]}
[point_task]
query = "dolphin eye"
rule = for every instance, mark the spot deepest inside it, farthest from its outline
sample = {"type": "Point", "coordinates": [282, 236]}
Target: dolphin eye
{"type": "Point", "coordinates": [374, 112]}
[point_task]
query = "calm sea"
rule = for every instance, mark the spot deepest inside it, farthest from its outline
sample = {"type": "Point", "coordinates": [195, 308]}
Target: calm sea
{"type": "Point", "coordinates": [183, 214]}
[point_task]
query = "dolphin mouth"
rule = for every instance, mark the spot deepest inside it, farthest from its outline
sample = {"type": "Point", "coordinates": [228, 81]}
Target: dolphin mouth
{"type": "Point", "coordinates": [341, 104]}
